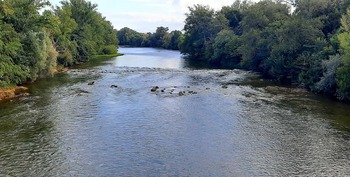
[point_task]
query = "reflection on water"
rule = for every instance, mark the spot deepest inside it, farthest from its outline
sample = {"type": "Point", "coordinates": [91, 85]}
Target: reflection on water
{"type": "Point", "coordinates": [69, 128]}
{"type": "Point", "coordinates": [149, 57]}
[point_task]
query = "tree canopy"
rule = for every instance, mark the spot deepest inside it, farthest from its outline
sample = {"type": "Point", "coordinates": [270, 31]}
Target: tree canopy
{"type": "Point", "coordinates": [302, 42]}
{"type": "Point", "coordinates": [33, 42]}
{"type": "Point", "coordinates": [159, 39]}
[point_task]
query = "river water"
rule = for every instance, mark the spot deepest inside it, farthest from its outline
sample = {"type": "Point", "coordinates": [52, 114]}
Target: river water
{"type": "Point", "coordinates": [223, 123]}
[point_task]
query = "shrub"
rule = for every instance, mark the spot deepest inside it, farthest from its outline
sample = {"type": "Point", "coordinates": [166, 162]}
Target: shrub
{"type": "Point", "coordinates": [109, 50]}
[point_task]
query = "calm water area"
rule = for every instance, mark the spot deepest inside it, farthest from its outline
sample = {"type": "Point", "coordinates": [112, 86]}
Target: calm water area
{"type": "Point", "coordinates": [200, 122]}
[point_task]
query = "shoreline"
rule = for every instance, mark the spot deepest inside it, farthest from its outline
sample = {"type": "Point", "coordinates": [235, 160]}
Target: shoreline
{"type": "Point", "coordinates": [21, 91]}
{"type": "Point", "coordinates": [13, 92]}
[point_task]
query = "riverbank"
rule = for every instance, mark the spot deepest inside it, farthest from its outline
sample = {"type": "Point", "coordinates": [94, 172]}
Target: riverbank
{"type": "Point", "coordinates": [119, 127]}
{"type": "Point", "coordinates": [110, 55]}
{"type": "Point", "coordinates": [12, 92]}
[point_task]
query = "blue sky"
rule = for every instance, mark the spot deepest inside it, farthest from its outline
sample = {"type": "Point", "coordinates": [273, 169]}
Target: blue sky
{"type": "Point", "coordinates": [147, 15]}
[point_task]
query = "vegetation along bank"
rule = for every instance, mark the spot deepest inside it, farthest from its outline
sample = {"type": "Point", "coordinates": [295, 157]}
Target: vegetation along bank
{"type": "Point", "coordinates": [300, 42]}
{"type": "Point", "coordinates": [31, 48]}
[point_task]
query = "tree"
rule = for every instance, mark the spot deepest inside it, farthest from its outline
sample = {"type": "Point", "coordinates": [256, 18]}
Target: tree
{"type": "Point", "coordinates": [127, 36]}
{"type": "Point", "coordinates": [343, 72]}
{"type": "Point", "coordinates": [157, 39]}
{"type": "Point", "coordinates": [10, 45]}
{"type": "Point", "coordinates": [37, 55]}
{"type": "Point", "coordinates": [298, 41]}
{"type": "Point", "coordinates": [201, 27]}
{"type": "Point", "coordinates": [328, 82]}
{"type": "Point", "coordinates": [225, 49]}
{"type": "Point", "coordinates": [259, 24]}
{"type": "Point", "coordinates": [328, 11]}
{"type": "Point", "coordinates": [235, 14]}
{"type": "Point", "coordinates": [174, 40]}
{"type": "Point", "coordinates": [33, 41]}
{"type": "Point", "coordinates": [83, 31]}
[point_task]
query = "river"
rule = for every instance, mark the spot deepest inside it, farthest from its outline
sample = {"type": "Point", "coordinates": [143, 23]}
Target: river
{"type": "Point", "coordinates": [223, 123]}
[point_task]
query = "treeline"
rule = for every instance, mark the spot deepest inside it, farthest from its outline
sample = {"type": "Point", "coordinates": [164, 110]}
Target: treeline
{"type": "Point", "coordinates": [162, 38]}
{"type": "Point", "coordinates": [308, 46]}
{"type": "Point", "coordinates": [33, 42]}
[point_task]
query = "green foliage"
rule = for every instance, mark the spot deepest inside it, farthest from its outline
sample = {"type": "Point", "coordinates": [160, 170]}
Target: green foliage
{"type": "Point", "coordinates": [309, 47]}
{"type": "Point", "coordinates": [343, 81]}
{"type": "Point", "coordinates": [225, 49]}
{"type": "Point", "coordinates": [343, 72]}
{"type": "Point", "coordinates": [234, 14]}
{"type": "Point", "coordinates": [329, 12]}
{"type": "Point", "coordinates": [83, 31]}
{"type": "Point", "coordinates": [298, 41]}
{"type": "Point", "coordinates": [201, 27]}
{"type": "Point", "coordinates": [328, 83]}
{"type": "Point", "coordinates": [108, 50]}
{"type": "Point", "coordinates": [160, 39]}
{"type": "Point", "coordinates": [33, 42]}
{"type": "Point", "coordinates": [129, 37]}
{"type": "Point", "coordinates": [171, 40]}
{"type": "Point", "coordinates": [39, 54]}
{"type": "Point", "coordinates": [10, 72]}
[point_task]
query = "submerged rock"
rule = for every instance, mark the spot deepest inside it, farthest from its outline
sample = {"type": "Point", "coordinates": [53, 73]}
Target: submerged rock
{"type": "Point", "coordinates": [154, 88]}
{"type": "Point", "coordinates": [224, 87]}
{"type": "Point", "coordinates": [181, 93]}
{"type": "Point", "coordinates": [192, 92]}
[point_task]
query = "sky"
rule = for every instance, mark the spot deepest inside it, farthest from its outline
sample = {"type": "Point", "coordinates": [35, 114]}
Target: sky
{"type": "Point", "coordinates": [147, 15]}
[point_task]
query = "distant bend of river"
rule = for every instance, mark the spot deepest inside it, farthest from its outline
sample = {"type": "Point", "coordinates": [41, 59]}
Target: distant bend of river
{"type": "Point", "coordinates": [200, 122]}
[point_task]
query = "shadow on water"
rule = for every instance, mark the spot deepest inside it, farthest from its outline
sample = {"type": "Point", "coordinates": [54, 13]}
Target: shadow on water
{"type": "Point", "coordinates": [201, 65]}
{"type": "Point", "coordinates": [94, 62]}
{"type": "Point", "coordinates": [197, 63]}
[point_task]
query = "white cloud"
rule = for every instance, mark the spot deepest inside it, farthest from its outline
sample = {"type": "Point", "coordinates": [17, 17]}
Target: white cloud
{"type": "Point", "coordinates": [146, 15]}
{"type": "Point", "coordinates": [146, 22]}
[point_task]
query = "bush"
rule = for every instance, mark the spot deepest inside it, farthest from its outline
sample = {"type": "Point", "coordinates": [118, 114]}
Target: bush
{"type": "Point", "coordinates": [328, 82]}
{"type": "Point", "coordinates": [109, 50]}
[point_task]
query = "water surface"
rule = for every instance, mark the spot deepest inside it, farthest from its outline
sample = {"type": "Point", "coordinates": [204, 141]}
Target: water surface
{"type": "Point", "coordinates": [251, 128]}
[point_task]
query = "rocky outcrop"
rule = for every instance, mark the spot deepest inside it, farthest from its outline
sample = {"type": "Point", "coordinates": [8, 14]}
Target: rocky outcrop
{"type": "Point", "coordinates": [6, 94]}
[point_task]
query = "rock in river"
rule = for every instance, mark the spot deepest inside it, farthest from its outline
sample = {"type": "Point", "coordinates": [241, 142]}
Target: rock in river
{"type": "Point", "coordinates": [154, 88]}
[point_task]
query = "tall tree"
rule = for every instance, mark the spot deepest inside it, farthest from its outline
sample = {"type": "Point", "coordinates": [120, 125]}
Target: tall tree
{"type": "Point", "coordinates": [88, 32]}
{"type": "Point", "coordinates": [201, 27]}
{"type": "Point", "coordinates": [343, 72]}
{"type": "Point", "coordinates": [157, 39]}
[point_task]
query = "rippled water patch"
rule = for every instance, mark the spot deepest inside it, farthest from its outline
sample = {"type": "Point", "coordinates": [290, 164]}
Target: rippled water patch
{"type": "Point", "coordinates": [235, 125]}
